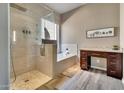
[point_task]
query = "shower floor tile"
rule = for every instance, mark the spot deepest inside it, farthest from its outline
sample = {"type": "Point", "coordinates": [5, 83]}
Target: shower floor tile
{"type": "Point", "coordinates": [30, 80]}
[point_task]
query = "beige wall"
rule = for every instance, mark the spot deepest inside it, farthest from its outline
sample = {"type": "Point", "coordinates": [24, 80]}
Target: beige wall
{"type": "Point", "coordinates": [90, 16]}
{"type": "Point", "coordinates": [4, 47]}
{"type": "Point", "coordinates": [46, 63]}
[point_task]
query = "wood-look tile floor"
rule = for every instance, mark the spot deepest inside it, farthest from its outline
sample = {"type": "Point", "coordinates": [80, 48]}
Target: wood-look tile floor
{"type": "Point", "coordinates": [83, 80]}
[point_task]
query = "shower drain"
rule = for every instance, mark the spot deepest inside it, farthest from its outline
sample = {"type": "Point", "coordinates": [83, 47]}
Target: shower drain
{"type": "Point", "coordinates": [26, 80]}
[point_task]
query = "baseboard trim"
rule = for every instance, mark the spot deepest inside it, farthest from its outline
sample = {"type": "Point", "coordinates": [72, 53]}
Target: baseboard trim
{"type": "Point", "coordinates": [123, 79]}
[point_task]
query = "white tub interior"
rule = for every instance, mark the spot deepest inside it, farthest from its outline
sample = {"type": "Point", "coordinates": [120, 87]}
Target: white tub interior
{"type": "Point", "coordinates": [72, 49]}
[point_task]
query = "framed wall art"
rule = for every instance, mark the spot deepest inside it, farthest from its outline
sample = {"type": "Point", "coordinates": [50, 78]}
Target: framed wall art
{"type": "Point", "coordinates": [100, 33]}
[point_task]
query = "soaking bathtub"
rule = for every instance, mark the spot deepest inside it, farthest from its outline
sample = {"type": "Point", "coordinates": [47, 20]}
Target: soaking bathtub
{"type": "Point", "coordinates": [65, 60]}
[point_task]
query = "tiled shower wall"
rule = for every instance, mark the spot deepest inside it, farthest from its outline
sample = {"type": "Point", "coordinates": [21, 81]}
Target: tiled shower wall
{"type": "Point", "coordinates": [46, 64]}
{"type": "Point", "coordinates": [24, 50]}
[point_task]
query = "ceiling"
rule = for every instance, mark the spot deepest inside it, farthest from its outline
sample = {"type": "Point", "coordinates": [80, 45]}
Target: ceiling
{"type": "Point", "coordinates": [63, 7]}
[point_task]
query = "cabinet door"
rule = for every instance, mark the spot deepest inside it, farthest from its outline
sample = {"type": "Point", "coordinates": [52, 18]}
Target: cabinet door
{"type": "Point", "coordinates": [83, 60]}
{"type": "Point", "coordinates": [114, 67]}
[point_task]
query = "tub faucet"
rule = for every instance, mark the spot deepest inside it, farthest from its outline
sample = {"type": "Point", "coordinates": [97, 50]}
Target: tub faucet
{"type": "Point", "coordinates": [67, 52]}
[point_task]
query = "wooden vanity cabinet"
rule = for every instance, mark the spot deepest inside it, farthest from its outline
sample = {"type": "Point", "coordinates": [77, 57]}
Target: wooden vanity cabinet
{"type": "Point", "coordinates": [114, 61]}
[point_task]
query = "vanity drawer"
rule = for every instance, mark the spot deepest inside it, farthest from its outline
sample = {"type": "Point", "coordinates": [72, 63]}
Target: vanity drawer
{"type": "Point", "coordinates": [114, 56]}
{"type": "Point", "coordinates": [99, 54]}
{"type": "Point", "coordinates": [112, 69]}
{"type": "Point", "coordinates": [112, 72]}
{"type": "Point", "coordinates": [83, 54]}
{"type": "Point", "coordinates": [83, 59]}
{"type": "Point", "coordinates": [112, 63]}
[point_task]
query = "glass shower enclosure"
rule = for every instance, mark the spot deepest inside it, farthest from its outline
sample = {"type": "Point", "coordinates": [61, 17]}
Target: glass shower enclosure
{"type": "Point", "coordinates": [30, 23]}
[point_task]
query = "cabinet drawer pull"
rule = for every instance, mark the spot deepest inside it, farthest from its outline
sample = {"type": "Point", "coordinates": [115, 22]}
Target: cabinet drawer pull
{"type": "Point", "coordinates": [112, 71]}
{"type": "Point", "coordinates": [113, 56]}
{"type": "Point", "coordinates": [113, 63]}
{"type": "Point", "coordinates": [83, 58]}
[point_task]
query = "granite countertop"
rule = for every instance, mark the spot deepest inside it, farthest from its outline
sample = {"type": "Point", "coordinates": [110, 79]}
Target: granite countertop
{"type": "Point", "coordinates": [103, 49]}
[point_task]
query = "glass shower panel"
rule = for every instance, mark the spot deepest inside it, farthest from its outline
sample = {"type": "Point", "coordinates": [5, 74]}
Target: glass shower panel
{"type": "Point", "coordinates": [25, 36]}
{"type": "Point", "coordinates": [49, 27]}
{"type": "Point", "coordinates": [22, 39]}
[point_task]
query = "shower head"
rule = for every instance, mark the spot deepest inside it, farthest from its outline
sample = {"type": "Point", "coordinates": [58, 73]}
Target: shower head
{"type": "Point", "coordinates": [18, 7]}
